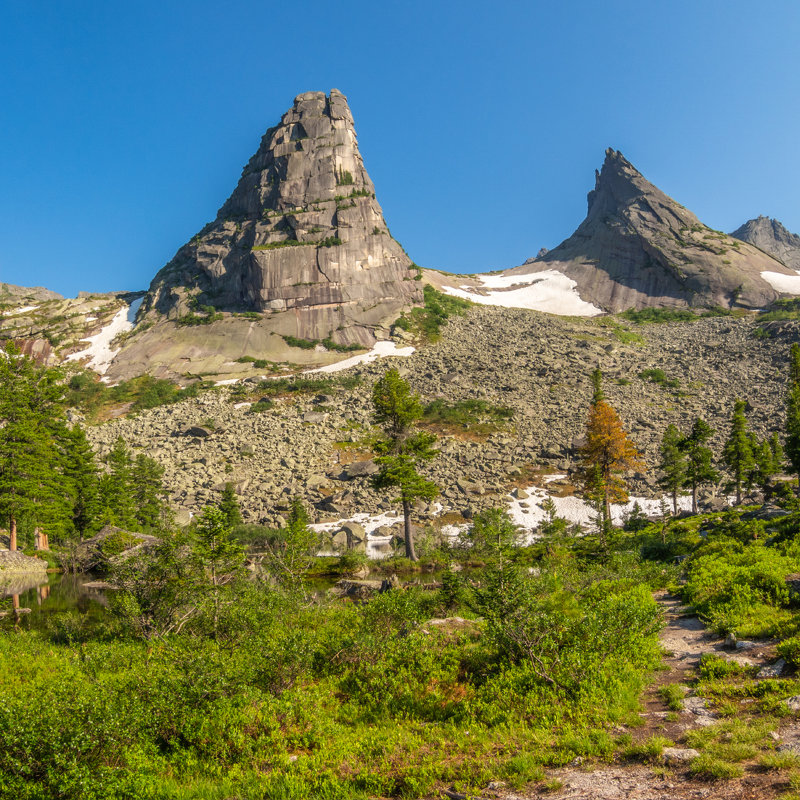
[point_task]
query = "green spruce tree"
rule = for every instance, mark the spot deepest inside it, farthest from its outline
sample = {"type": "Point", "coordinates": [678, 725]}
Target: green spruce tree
{"type": "Point", "coordinates": [737, 454]}
{"type": "Point", "coordinates": [699, 469]}
{"type": "Point", "coordinates": [229, 506]}
{"type": "Point", "coordinates": [32, 485]}
{"type": "Point", "coordinates": [148, 493]}
{"type": "Point", "coordinates": [83, 482]}
{"type": "Point", "coordinates": [117, 505]}
{"type": "Point", "coordinates": [402, 448]}
{"type": "Point", "coordinates": [793, 410]}
{"type": "Point", "coordinates": [673, 464]}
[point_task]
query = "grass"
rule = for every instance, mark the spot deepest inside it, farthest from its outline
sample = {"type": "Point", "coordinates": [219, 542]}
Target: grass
{"type": "Point", "coordinates": [327, 343]}
{"type": "Point", "coordinates": [672, 694]}
{"type": "Point", "coordinates": [86, 392]}
{"type": "Point", "coordinates": [658, 376]}
{"type": "Point", "coordinates": [427, 322]}
{"type": "Point", "coordinates": [781, 310]}
{"type": "Point", "coordinates": [477, 416]}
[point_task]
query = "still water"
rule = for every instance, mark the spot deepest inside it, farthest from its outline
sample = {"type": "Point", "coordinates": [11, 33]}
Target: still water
{"type": "Point", "coordinates": [47, 594]}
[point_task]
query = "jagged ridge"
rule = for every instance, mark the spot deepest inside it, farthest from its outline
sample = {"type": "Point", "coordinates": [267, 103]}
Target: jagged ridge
{"type": "Point", "coordinates": [637, 247]}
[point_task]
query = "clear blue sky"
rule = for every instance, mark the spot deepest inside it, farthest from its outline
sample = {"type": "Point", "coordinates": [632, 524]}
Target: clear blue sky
{"type": "Point", "coordinates": [124, 126]}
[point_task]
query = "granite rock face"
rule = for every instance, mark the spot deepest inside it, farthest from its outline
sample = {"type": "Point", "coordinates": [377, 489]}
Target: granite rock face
{"type": "Point", "coordinates": [772, 237]}
{"type": "Point", "coordinates": [302, 241]}
{"type": "Point", "coordinates": [637, 247]}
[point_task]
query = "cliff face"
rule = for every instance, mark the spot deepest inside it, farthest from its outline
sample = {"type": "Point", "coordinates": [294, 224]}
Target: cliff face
{"type": "Point", "coordinates": [637, 247]}
{"type": "Point", "coordinates": [772, 237]}
{"type": "Point", "coordinates": [301, 240]}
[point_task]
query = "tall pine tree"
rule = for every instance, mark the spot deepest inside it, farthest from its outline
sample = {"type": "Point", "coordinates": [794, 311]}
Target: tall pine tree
{"type": "Point", "coordinates": [31, 410]}
{"type": "Point", "coordinates": [673, 464]}
{"type": "Point", "coordinates": [738, 451]}
{"type": "Point", "coordinates": [793, 410]}
{"type": "Point", "coordinates": [699, 468]}
{"type": "Point", "coordinates": [402, 448]}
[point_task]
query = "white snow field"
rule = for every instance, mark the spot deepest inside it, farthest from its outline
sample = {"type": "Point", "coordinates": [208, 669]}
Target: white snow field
{"type": "Point", "coordinates": [380, 350]}
{"type": "Point", "coordinates": [550, 291]}
{"type": "Point", "coordinates": [529, 514]}
{"type": "Point", "coordinates": [790, 284]}
{"type": "Point", "coordinates": [99, 351]}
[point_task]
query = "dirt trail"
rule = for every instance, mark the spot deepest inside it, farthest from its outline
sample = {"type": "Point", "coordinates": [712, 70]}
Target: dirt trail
{"type": "Point", "coordinates": [685, 639]}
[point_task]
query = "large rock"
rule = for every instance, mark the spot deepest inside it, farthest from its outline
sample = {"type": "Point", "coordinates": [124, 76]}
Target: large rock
{"type": "Point", "coordinates": [12, 561]}
{"type": "Point", "coordinates": [772, 237]}
{"type": "Point", "coordinates": [301, 241]}
{"type": "Point", "coordinates": [637, 247]}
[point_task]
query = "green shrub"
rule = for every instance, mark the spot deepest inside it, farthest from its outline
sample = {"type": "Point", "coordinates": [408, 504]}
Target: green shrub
{"type": "Point", "coordinates": [789, 650]}
{"type": "Point", "coordinates": [658, 376]}
{"type": "Point", "coordinates": [427, 322]}
{"type": "Point", "coordinates": [657, 315]}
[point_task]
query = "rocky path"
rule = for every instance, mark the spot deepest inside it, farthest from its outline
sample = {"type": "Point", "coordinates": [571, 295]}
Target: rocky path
{"type": "Point", "coordinates": [685, 640]}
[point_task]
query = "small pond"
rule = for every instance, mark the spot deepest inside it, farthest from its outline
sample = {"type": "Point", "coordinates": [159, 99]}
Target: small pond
{"type": "Point", "coordinates": [46, 594]}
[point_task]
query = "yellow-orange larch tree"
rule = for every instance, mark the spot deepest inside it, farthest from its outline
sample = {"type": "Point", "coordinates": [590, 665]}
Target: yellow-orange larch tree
{"type": "Point", "coordinates": [607, 454]}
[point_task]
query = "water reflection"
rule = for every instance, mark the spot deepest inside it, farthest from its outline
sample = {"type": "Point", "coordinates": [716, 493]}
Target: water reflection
{"type": "Point", "coordinates": [35, 597]}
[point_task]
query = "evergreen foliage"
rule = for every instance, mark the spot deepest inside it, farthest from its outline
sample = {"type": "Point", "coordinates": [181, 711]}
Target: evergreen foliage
{"type": "Point", "coordinates": [402, 449]}
{"type": "Point", "coordinates": [229, 506]}
{"type": "Point", "coordinates": [793, 410]}
{"type": "Point", "coordinates": [699, 468]}
{"type": "Point", "coordinates": [737, 453]}
{"type": "Point", "coordinates": [32, 486]}
{"type": "Point", "coordinates": [673, 464]}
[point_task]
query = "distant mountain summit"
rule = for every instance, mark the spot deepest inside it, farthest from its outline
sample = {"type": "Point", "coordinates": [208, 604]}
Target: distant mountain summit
{"type": "Point", "coordinates": [772, 237]}
{"type": "Point", "coordinates": [301, 242]}
{"type": "Point", "coordinates": [637, 247]}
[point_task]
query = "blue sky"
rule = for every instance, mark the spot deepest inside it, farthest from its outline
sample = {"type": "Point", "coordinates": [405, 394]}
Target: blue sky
{"type": "Point", "coordinates": [126, 125]}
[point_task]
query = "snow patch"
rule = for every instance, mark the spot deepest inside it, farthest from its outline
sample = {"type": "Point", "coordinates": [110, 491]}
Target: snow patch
{"type": "Point", "coordinates": [380, 350]}
{"type": "Point", "coordinates": [21, 310]}
{"type": "Point", "coordinates": [550, 291]}
{"type": "Point", "coordinates": [377, 546]}
{"type": "Point", "coordinates": [99, 351]}
{"type": "Point", "coordinates": [790, 284]}
{"type": "Point", "coordinates": [529, 514]}
{"type": "Point", "coordinates": [226, 382]}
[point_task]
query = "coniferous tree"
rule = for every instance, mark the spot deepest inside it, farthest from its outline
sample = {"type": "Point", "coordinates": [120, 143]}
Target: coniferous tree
{"type": "Point", "coordinates": [116, 498]}
{"type": "Point", "coordinates": [699, 468]}
{"type": "Point", "coordinates": [793, 410]}
{"type": "Point", "coordinates": [229, 506]}
{"type": "Point", "coordinates": [31, 409]}
{"type": "Point", "coordinates": [81, 473]}
{"type": "Point", "coordinates": [607, 454]}
{"type": "Point", "coordinates": [738, 451]}
{"type": "Point", "coordinates": [402, 449]}
{"type": "Point", "coordinates": [673, 464]}
{"type": "Point", "coordinates": [767, 458]}
{"type": "Point", "coordinates": [148, 493]}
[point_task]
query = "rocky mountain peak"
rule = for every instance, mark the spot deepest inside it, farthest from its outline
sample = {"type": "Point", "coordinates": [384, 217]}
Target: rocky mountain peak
{"type": "Point", "coordinates": [301, 241]}
{"type": "Point", "coordinates": [771, 236]}
{"type": "Point", "coordinates": [311, 155]}
{"type": "Point", "coordinates": [638, 247]}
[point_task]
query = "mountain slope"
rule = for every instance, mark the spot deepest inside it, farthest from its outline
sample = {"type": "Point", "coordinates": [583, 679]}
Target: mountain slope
{"type": "Point", "coordinates": [637, 247]}
{"type": "Point", "coordinates": [772, 237]}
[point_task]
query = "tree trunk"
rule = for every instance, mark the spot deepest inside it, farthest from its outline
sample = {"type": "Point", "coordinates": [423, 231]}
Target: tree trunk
{"type": "Point", "coordinates": [694, 498]}
{"type": "Point", "coordinates": [674, 502]}
{"type": "Point", "coordinates": [13, 534]}
{"type": "Point", "coordinates": [411, 553]}
{"type": "Point", "coordinates": [738, 491]}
